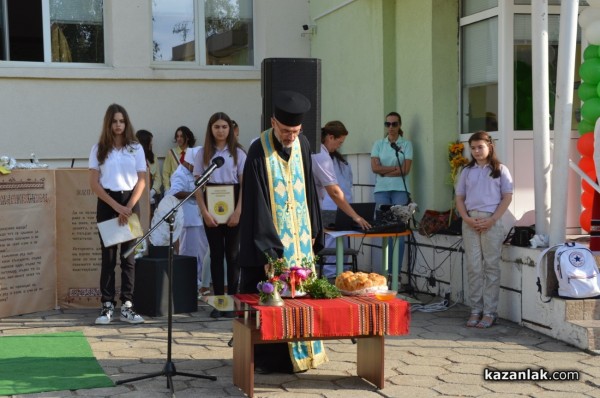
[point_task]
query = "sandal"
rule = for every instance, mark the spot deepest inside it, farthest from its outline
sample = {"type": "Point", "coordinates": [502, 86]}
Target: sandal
{"type": "Point", "coordinates": [487, 321]}
{"type": "Point", "coordinates": [474, 319]}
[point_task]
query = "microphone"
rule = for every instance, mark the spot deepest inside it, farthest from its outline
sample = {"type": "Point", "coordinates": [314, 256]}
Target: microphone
{"type": "Point", "coordinates": [215, 164]}
{"type": "Point", "coordinates": [395, 147]}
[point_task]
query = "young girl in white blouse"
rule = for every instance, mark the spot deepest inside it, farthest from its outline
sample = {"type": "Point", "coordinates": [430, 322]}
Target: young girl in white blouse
{"type": "Point", "coordinates": [118, 177]}
{"type": "Point", "coordinates": [483, 192]}
{"type": "Point", "coordinates": [223, 239]}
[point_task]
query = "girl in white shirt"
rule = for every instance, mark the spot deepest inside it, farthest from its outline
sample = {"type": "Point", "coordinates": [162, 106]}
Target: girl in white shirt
{"type": "Point", "coordinates": [118, 177]}
{"type": "Point", "coordinates": [223, 239]}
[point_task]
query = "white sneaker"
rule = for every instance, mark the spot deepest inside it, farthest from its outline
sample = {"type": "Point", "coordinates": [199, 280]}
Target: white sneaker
{"type": "Point", "coordinates": [106, 313]}
{"type": "Point", "coordinates": [129, 315]}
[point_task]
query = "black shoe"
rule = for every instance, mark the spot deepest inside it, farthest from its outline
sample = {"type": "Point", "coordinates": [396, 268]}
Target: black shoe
{"type": "Point", "coordinates": [261, 370]}
{"type": "Point", "coordinates": [216, 314]}
{"type": "Point", "coordinates": [228, 314]}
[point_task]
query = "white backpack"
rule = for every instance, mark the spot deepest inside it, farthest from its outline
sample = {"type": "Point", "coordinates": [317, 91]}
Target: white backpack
{"type": "Point", "coordinates": [575, 269]}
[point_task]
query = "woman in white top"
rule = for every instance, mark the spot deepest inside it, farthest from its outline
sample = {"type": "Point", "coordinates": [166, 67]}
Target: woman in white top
{"type": "Point", "coordinates": [223, 239]}
{"type": "Point", "coordinates": [118, 177]}
{"type": "Point", "coordinates": [333, 179]}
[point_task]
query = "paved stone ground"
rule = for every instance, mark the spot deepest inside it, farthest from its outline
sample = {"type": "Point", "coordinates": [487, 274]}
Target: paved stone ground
{"type": "Point", "coordinates": [440, 357]}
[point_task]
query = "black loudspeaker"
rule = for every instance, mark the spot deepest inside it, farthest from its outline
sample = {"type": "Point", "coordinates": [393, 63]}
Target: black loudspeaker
{"type": "Point", "coordinates": [302, 75]}
{"type": "Point", "coordinates": [152, 285]}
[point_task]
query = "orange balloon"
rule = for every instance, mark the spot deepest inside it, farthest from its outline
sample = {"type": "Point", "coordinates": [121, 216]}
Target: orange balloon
{"type": "Point", "coordinates": [585, 144]}
{"type": "Point", "coordinates": [585, 219]}
{"type": "Point", "coordinates": [587, 199]}
{"type": "Point", "coordinates": [586, 164]}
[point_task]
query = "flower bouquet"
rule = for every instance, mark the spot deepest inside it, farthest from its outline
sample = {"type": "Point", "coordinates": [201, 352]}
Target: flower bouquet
{"type": "Point", "coordinates": [457, 162]}
{"type": "Point", "coordinates": [292, 279]}
{"type": "Point", "coordinates": [269, 292]}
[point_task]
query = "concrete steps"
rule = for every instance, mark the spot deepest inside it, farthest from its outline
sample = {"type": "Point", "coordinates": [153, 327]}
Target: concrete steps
{"type": "Point", "coordinates": [585, 314]}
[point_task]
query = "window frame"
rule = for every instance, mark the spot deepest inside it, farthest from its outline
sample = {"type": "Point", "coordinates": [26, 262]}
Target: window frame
{"type": "Point", "coordinates": [505, 12]}
{"type": "Point", "coordinates": [47, 41]}
{"type": "Point", "coordinates": [200, 50]}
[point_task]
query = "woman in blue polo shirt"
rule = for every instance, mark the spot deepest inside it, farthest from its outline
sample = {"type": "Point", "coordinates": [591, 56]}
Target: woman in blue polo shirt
{"type": "Point", "coordinates": [391, 159]}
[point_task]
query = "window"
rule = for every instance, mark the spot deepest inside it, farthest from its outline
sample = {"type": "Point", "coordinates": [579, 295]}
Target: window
{"type": "Point", "coordinates": [480, 76]}
{"type": "Point", "coordinates": [203, 32]}
{"type": "Point", "coordinates": [470, 7]}
{"type": "Point", "coordinates": [523, 97]}
{"type": "Point", "coordinates": [550, 2]}
{"type": "Point", "coordinates": [74, 31]}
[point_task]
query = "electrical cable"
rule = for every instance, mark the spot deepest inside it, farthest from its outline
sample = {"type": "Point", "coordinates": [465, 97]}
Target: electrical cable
{"type": "Point", "coordinates": [439, 306]}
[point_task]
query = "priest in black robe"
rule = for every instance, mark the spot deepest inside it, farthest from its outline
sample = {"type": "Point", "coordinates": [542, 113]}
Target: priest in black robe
{"type": "Point", "coordinates": [279, 220]}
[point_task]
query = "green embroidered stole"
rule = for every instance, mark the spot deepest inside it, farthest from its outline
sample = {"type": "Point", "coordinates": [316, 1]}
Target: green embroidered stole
{"type": "Point", "coordinates": [289, 205]}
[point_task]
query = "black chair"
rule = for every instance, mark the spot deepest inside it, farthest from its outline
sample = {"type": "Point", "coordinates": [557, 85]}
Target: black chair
{"type": "Point", "coordinates": [330, 251]}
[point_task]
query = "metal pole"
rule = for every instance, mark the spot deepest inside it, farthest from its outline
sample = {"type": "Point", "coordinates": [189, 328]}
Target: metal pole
{"type": "Point", "coordinates": [541, 114]}
{"type": "Point", "coordinates": [562, 118]}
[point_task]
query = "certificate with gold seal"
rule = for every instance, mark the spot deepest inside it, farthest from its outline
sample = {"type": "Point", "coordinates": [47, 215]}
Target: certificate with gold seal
{"type": "Point", "coordinates": [220, 201]}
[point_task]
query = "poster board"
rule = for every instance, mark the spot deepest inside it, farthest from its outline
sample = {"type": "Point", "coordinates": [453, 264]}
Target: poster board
{"type": "Point", "coordinates": [78, 243]}
{"type": "Point", "coordinates": [49, 243]}
{"type": "Point", "coordinates": [27, 242]}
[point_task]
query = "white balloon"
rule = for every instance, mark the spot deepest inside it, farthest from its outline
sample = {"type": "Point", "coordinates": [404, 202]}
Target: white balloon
{"type": "Point", "coordinates": [588, 16]}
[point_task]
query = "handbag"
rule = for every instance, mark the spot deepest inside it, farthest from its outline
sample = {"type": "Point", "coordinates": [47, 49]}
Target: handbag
{"type": "Point", "coordinates": [434, 221]}
{"type": "Point", "coordinates": [520, 236]}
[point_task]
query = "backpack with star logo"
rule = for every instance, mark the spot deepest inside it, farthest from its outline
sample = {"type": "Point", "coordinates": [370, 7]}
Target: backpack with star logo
{"type": "Point", "coordinates": [576, 271]}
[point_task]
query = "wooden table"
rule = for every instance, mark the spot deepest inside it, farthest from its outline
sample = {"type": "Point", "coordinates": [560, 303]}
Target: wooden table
{"type": "Point", "coordinates": [339, 248]}
{"type": "Point", "coordinates": [370, 353]}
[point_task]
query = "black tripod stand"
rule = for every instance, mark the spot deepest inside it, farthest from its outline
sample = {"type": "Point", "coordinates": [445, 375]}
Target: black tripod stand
{"type": "Point", "coordinates": [169, 369]}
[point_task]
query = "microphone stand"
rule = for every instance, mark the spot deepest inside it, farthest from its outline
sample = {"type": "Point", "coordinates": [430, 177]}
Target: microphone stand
{"type": "Point", "coordinates": [408, 270]}
{"type": "Point", "coordinates": [169, 369]}
{"type": "Point", "coordinates": [399, 150]}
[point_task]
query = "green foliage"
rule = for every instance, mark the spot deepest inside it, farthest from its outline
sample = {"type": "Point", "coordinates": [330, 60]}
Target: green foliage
{"type": "Point", "coordinates": [321, 288]}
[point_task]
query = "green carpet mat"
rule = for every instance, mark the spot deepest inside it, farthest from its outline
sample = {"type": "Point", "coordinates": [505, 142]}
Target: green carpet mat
{"type": "Point", "coordinates": [48, 362]}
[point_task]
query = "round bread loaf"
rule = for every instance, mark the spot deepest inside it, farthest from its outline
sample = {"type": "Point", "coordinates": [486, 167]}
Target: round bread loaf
{"type": "Point", "coordinates": [353, 281]}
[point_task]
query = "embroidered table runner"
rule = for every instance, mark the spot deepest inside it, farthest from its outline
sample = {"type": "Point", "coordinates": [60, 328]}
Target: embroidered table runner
{"type": "Point", "coordinates": [344, 316]}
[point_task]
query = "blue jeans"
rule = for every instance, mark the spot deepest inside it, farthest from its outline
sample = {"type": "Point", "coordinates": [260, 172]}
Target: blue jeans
{"type": "Point", "coordinates": [393, 198]}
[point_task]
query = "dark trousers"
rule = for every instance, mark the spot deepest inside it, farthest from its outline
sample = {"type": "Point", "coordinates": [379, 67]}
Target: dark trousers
{"type": "Point", "coordinates": [275, 356]}
{"type": "Point", "coordinates": [109, 255]}
{"type": "Point", "coordinates": [224, 242]}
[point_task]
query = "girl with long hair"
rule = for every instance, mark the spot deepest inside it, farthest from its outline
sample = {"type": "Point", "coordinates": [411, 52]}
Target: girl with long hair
{"type": "Point", "coordinates": [145, 139]}
{"type": "Point", "coordinates": [118, 177]}
{"type": "Point", "coordinates": [483, 193]}
{"type": "Point", "coordinates": [223, 238]}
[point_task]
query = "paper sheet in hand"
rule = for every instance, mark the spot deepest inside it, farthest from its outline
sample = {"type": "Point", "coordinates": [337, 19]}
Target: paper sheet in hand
{"type": "Point", "coordinates": [112, 233]}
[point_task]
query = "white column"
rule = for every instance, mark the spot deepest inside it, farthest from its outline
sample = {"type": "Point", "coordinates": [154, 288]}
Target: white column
{"type": "Point", "coordinates": [562, 118]}
{"type": "Point", "coordinates": [541, 114]}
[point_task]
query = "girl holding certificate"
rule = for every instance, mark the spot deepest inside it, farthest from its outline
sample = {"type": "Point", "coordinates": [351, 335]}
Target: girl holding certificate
{"type": "Point", "coordinates": [118, 177]}
{"type": "Point", "coordinates": [221, 203]}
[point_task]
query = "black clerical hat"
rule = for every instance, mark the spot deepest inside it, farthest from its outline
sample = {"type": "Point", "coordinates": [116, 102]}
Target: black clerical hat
{"type": "Point", "coordinates": [289, 107]}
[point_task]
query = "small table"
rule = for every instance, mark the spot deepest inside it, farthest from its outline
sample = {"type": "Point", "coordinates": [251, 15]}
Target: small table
{"type": "Point", "coordinates": [364, 318]}
{"type": "Point", "coordinates": [339, 247]}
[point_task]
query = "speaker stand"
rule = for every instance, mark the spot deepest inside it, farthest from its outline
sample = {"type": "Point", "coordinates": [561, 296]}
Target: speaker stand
{"type": "Point", "coordinates": [169, 369]}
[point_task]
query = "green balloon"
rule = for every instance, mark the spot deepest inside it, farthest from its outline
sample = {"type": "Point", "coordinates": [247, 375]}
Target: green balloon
{"type": "Point", "coordinates": [591, 51]}
{"type": "Point", "coordinates": [587, 91]}
{"type": "Point", "coordinates": [585, 127]}
{"type": "Point", "coordinates": [591, 109]}
{"type": "Point", "coordinates": [590, 71]}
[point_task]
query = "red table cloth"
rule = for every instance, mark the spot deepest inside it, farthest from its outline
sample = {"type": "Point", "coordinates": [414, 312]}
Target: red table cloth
{"type": "Point", "coordinates": [344, 316]}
